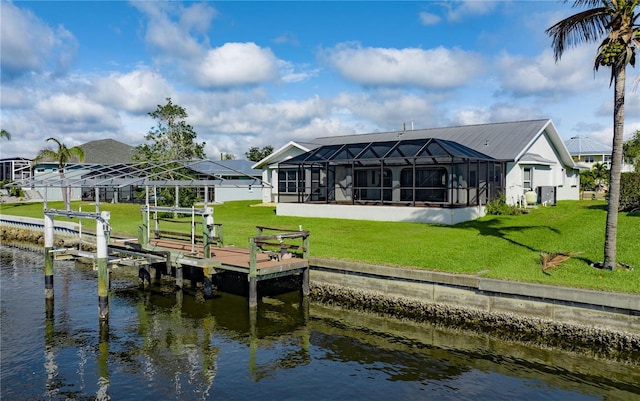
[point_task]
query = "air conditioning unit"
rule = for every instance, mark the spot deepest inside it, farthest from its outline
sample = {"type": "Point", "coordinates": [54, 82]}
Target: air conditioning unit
{"type": "Point", "coordinates": [547, 195]}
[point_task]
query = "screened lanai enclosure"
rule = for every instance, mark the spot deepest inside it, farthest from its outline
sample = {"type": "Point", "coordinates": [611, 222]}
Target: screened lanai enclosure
{"type": "Point", "coordinates": [421, 172]}
{"type": "Point", "coordinates": [136, 182]}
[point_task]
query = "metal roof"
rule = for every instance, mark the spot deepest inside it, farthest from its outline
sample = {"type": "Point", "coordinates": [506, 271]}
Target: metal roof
{"type": "Point", "coordinates": [503, 141]}
{"type": "Point", "coordinates": [430, 150]}
{"type": "Point", "coordinates": [227, 168]}
{"type": "Point", "coordinates": [583, 145]}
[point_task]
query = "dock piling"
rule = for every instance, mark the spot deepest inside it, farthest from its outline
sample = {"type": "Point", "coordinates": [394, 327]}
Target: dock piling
{"type": "Point", "coordinates": [179, 277]}
{"type": "Point", "coordinates": [102, 227]}
{"type": "Point", "coordinates": [253, 274]}
{"type": "Point", "coordinates": [48, 256]}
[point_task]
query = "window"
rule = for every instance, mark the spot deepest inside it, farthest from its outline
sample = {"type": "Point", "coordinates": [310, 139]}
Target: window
{"type": "Point", "coordinates": [589, 159]}
{"type": "Point", "coordinates": [289, 182]}
{"type": "Point", "coordinates": [430, 184]}
{"type": "Point", "coordinates": [368, 182]}
{"type": "Point", "coordinates": [526, 178]}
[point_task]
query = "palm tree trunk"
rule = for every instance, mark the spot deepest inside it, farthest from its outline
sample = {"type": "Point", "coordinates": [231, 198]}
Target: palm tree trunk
{"type": "Point", "coordinates": [63, 188]}
{"type": "Point", "coordinates": [616, 167]}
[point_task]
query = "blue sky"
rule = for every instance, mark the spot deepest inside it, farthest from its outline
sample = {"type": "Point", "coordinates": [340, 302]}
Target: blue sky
{"type": "Point", "coordinates": [266, 73]}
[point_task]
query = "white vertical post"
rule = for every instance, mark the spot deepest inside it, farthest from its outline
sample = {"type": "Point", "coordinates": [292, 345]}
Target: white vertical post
{"type": "Point", "coordinates": [102, 226]}
{"type": "Point", "coordinates": [48, 256]}
{"type": "Point", "coordinates": [193, 229]}
{"type": "Point", "coordinates": [80, 230]}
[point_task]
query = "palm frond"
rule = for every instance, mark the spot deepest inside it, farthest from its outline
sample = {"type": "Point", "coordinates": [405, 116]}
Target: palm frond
{"type": "Point", "coordinates": [584, 27]}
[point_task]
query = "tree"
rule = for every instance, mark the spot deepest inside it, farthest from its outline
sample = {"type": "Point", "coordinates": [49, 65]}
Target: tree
{"type": "Point", "coordinates": [617, 22]}
{"type": "Point", "coordinates": [255, 154]}
{"type": "Point", "coordinates": [631, 150]}
{"type": "Point", "coordinates": [5, 134]}
{"type": "Point", "coordinates": [600, 173]}
{"type": "Point", "coordinates": [227, 156]}
{"type": "Point", "coordinates": [172, 140]}
{"type": "Point", "coordinates": [62, 156]}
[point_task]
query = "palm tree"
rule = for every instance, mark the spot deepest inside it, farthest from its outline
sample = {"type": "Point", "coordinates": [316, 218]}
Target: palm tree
{"type": "Point", "coordinates": [5, 134]}
{"type": "Point", "coordinates": [63, 156]}
{"type": "Point", "coordinates": [600, 173]}
{"type": "Point", "coordinates": [615, 23]}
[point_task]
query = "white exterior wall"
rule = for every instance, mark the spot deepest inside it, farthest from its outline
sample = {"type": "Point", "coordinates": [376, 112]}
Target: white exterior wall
{"type": "Point", "coordinates": [232, 194]}
{"type": "Point", "coordinates": [382, 213]}
{"type": "Point", "coordinates": [270, 175]}
{"type": "Point", "coordinates": [554, 174]}
{"type": "Point", "coordinates": [268, 192]}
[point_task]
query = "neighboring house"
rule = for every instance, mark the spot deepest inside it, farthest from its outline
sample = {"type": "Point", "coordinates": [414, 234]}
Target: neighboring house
{"type": "Point", "coordinates": [237, 180]}
{"type": "Point", "coordinates": [15, 168]}
{"type": "Point", "coordinates": [96, 154]}
{"type": "Point", "coordinates": [108, 159]}
{"type": "Point", "coordinates": [269, 168]}
{"type": "Point", "coordinates": [587, 152]}
{"type": "Point", "coordinates": [442, 175]}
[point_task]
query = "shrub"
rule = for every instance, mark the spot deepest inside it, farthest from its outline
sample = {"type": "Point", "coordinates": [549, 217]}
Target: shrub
{"type": "Point", "coordinates": [499, 206]}
{"type": "Point", "coordinates": [629, 191]}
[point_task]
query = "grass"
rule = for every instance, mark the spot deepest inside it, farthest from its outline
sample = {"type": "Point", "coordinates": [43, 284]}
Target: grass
{"type": "Point", "coordinates": [501, 247]}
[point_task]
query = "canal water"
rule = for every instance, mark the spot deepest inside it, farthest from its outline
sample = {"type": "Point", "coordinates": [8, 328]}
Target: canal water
{"type": "Point", "coordinates": [159, 345]}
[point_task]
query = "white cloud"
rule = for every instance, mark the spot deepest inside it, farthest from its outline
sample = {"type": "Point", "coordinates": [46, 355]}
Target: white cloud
{"type": "Point", "coordinates": [179, 35]}
{"type": "Point", "coordinates": [76, 114]}
{"type": "Point", "coordinates": [236, 64]}
{"type": "Point", "coordinates": [391, 110]}
{"type": "Point", "coordinates": [287, 38]}
{"type": "Point", "coordinates": [197, 18]}
{"type": "Point", "coordinates": [170, 26]}
{"type": "Point", "coordinates": [257, 118]}
{"type": "Point", "coordinates": [542, 76]}
{"type": "Point", "coordinates": [28, 44]}
{"type": "Point", "coordinates": [428, 18]}
{"type": "Point", "coordinates": [139, 91]}
{"type": "Point", "coordinates": [460, 10]}
{"type": "Point", "coordinates": [437, 68]}
{"type": "Point", "coordinates": [292, 73]}
{"type": "Point", "coordinates": [497, 112]}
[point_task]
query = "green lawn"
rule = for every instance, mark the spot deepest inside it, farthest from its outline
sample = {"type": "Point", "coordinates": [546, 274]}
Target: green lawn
{"type": "Point", "coordinates": [503, 247]}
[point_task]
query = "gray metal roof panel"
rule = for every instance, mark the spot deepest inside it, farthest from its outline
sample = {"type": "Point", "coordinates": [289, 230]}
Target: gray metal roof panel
{"type": "Point", "coordinates": [583, 145]}
{"type": "Point", "coordinates": [502, 141]}
{"type": "Point", "coordinates": [241, 168]}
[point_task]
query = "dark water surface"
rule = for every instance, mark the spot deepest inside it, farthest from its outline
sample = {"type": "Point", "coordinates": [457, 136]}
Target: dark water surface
{"type": "Point", "coordinates": [159, 345]}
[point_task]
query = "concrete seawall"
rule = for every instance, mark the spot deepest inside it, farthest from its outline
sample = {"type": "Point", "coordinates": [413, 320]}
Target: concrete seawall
{"type": "Point", "coordinates": [598, 309]}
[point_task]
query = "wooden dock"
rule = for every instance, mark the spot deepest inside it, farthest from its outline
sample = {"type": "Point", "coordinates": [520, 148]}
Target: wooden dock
{"type": "Point", "coordinates": [267, 257]}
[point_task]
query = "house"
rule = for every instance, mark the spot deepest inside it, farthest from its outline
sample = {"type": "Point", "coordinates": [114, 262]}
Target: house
{"type": "Point", "coordinates": [587, 152]}
{"type": "Point", "coordinates": [438, 175]}
{"type": "Point", "coordinates": [237, 180]}
{"type": "Point", "coordinates": [15, 168]}
{"type": "Point", "coordinates": [108, 160]}
{"type": "Point", "coordinates": [96, 153]}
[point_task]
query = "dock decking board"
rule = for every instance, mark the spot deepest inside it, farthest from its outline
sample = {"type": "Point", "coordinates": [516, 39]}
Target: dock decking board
{"type": "Point", "coordinates": [231, 257]}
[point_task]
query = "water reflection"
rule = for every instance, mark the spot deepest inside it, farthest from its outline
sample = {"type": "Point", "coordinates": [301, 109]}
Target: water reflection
{"type": "Point", "coordinates": [161, 344]}
{"type": "Point", "coordinates": [185, 325]}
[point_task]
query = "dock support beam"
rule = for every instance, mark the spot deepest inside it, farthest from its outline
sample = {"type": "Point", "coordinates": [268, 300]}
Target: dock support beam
{"type": "Point", "coordinates": [48, 256]}
{"type": "Point", "coordinates": [305, 282]}
{"type": "Point", "coordinates": [179, 277]}
{"type": "Point", "coordinates": [102, 226]}
{"type": "Point", "coordinates": [253, 292]}
{"type": "Point", "coordinates": [305, 273]}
